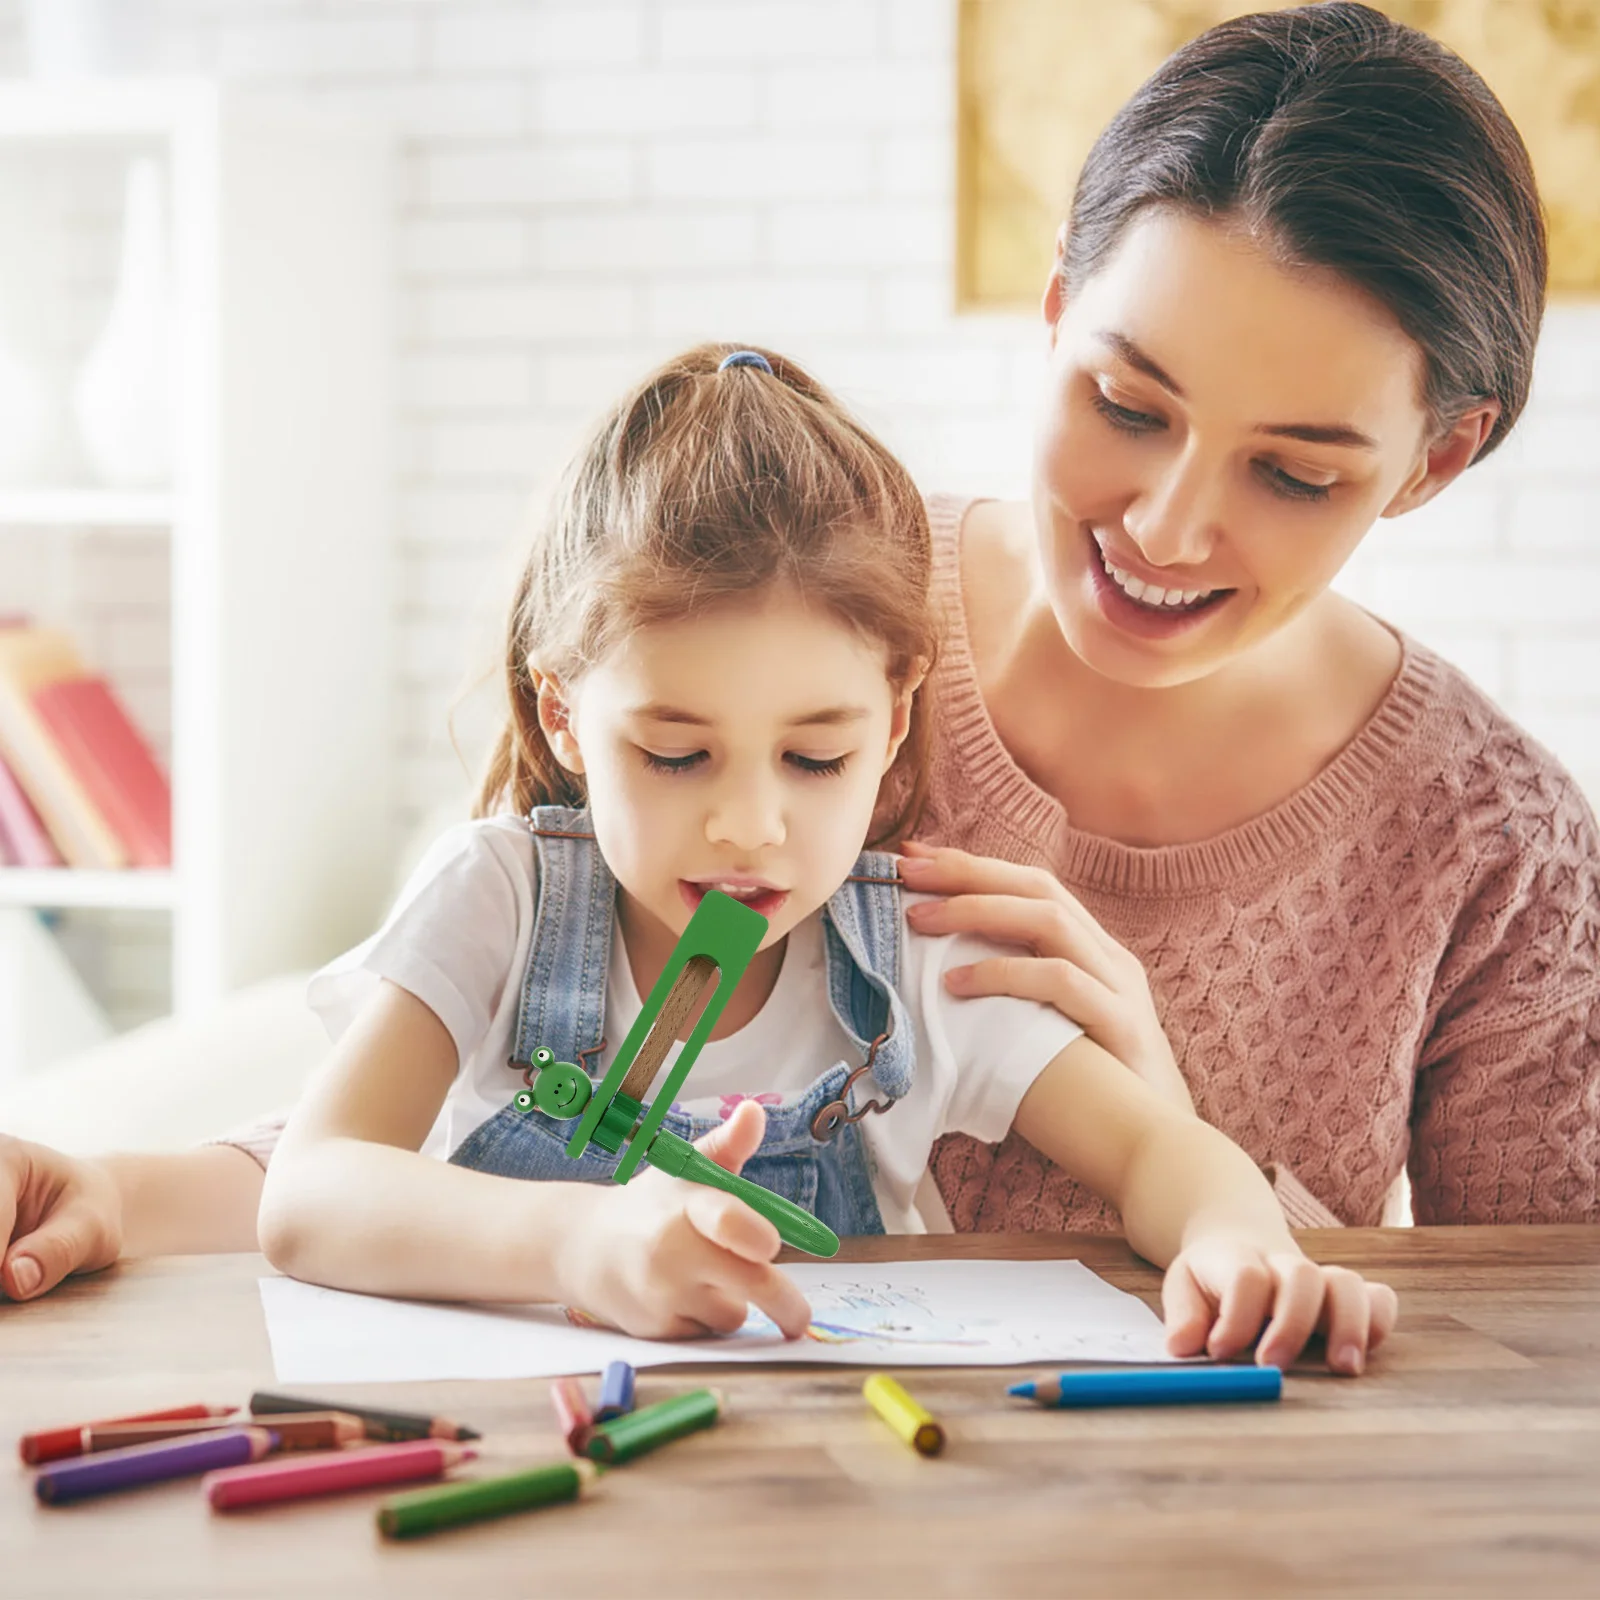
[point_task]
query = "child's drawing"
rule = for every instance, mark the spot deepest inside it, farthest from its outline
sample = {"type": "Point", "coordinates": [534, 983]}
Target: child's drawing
{"type": "Point", "coordinates": [851, 1313]}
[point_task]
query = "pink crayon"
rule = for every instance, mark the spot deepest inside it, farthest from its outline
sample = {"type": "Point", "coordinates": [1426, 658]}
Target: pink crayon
{"type": "Point", "coordinates": [300, 1477]}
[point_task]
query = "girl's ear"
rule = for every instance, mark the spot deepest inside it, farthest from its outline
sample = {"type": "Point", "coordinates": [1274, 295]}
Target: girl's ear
{"type": "Point", "coordinates": [900, 716]}
{"type": "Point", "coordinates": [555, 721]}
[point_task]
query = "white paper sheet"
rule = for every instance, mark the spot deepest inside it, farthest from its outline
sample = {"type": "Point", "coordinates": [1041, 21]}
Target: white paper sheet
{"type": "Point", "coordinates": [925, 1313]}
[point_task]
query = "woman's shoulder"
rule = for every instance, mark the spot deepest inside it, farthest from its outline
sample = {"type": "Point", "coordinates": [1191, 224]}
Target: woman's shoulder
{"type": "Point", "coordinates": [1501, 814]}
{"type": "Point", "coordinates": [1502, 779]}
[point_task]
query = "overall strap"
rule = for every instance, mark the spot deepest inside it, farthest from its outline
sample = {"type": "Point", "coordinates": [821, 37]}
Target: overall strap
{"type": "Point", "coordinates": [861, 933]}
{"type": "Point", "coordinates": [564, 990]}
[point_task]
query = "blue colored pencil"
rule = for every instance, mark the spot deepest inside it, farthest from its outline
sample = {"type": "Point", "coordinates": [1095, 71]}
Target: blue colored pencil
{"type": "Point", "coordinates": [1154, 1386]}
{"type": "Point", "coordinates": [616, 1392]}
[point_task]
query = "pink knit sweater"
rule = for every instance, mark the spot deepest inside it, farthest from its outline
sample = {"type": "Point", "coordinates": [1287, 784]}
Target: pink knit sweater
{"type": "Point", "coordinates": [1397, 967]}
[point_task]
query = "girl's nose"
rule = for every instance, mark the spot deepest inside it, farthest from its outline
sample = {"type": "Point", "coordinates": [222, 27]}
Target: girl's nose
{"type": "Point", "coordinates": [747, 816]}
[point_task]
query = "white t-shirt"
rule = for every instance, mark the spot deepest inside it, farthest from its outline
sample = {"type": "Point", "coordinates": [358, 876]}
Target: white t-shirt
{"type": "Point", "coordinates": [458, 940]}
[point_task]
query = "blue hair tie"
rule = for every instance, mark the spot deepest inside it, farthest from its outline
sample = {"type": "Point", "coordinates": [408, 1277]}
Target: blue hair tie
{"type": "Point", "coordinates": [745, 358]}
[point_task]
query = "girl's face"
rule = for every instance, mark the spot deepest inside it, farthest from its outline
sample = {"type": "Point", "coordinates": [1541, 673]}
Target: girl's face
{"type": "Point", "coordinates": [740, 750]}
{"type": "Point", "coordinates": [1219, 432]}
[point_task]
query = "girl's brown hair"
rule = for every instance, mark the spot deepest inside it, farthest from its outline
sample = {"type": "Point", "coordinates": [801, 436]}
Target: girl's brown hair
{"type": "Point", "coordinates": [1354, 143]}
{"type": "Point", "coordinates": [701, 485]}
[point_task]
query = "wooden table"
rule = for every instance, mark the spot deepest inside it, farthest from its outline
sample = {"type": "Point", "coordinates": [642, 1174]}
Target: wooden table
{"type": "Point", "coordinates": [1467, 1461]}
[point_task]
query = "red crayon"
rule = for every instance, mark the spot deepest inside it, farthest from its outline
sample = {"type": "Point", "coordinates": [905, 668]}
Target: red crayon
{"type": "Point", "coordinates": [301, 1477]}
{"type": "Point", "coordinates": [573, 1415]}
{"type": "Point", "coordinates": [55, 1444]}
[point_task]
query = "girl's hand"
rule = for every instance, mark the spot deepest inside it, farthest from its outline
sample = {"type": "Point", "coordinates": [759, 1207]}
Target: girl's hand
{"type": "Point", "coordinates": [663, 1259]}
{"type": "Point", "coordinates": [58, 1215]}
{"type": "Point", "coordinates": [1221, 1290]}
{"type": "Point", "coordinates": [1076, 966]}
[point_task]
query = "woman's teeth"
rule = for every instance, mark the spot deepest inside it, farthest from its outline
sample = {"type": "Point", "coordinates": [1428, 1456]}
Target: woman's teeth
{"type": "Point", "coordinates": [739, 891]}
{"type": "Point", "coordinates": [1149, 594]}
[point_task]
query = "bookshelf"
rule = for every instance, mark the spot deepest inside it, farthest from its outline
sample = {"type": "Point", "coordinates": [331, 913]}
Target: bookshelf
{"type": "Point", "coordinates": [255, 585]}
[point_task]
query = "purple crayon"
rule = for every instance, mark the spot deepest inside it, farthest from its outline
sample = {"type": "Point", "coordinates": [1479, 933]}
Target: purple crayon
{"type": "Point", "coordinates": [150, 1463]}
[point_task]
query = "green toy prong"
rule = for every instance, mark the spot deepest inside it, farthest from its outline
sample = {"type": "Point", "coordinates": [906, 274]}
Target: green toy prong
{"type": "Point", "coordinates": [722, 933]}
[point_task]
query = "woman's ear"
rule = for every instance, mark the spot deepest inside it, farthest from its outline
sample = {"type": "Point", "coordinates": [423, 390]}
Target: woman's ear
{"type": "Point", "coordinates": [1446, 458]}
{"type": "Point", "coordinates": [1055, 297]}
{"type": "Point", "coordinates": [555, 721]}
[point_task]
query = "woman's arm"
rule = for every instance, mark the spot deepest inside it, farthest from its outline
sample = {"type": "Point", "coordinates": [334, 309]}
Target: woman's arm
{"type": "Point", "coordinates": [350, 1202]}
{"type": "Point", "coordinates": [1194, 1202]}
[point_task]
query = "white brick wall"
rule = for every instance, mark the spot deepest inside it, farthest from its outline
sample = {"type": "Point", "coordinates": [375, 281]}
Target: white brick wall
{"type": "Point", "coordinates": [588, 184]}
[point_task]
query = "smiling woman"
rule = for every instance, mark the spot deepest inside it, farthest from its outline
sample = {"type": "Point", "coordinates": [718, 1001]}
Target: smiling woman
{"type": "Point", "coordinates": [1298, 292]}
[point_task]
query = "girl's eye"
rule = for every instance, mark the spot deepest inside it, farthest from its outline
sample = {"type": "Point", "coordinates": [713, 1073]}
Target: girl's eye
{"type": "Point", "coordinates": [672, 763]}
{"type": "Point", "coordinates": [1289, 487]}
{"type": "Point", "coordinates": [1122, 418]}
{"type": "Point", "coordinates": [824, 769]}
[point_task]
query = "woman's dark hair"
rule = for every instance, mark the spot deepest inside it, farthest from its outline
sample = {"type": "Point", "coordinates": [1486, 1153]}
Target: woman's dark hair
{"type": "Point", "coordinates": [1349, 142]}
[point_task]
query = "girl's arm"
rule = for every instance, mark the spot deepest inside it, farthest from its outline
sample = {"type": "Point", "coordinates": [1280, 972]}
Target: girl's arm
{"type": "Point", "coordinates": [1192, 1201]}
{"type": "Point", "coordinates": [62, 1214]}
{"type": "Point", "coordinates": [350, 1202]}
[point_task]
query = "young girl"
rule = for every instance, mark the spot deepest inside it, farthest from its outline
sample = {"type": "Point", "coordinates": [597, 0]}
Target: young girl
{"type": "Point", "coordinates": [713, 662]}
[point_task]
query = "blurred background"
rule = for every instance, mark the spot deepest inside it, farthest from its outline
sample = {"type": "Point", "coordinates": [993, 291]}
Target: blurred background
{"type": "Point", "coordinates": [302, 300]}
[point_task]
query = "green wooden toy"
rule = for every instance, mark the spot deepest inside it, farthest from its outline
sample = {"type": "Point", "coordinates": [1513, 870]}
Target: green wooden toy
{"type": "Point", "coordinates": [717, 946]}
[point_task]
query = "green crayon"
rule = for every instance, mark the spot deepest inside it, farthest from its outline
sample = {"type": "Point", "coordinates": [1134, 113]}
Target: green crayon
{"type": "Point", "coordinates": [623, 1438]}
{"type": "Point", "coordinates": [475, 1499]}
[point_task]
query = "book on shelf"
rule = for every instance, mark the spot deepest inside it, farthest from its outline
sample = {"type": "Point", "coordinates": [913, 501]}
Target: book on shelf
{"type": "Point", "coordinates": [78, 756]}
{"type": "Point", "coordinates": [109, 757]}
{"type": "Point", "coordinates": [24, 840]}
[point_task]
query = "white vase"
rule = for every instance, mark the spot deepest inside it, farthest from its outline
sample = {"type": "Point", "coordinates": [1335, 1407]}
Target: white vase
{"type": "Point", "coordinates": [123, 397]}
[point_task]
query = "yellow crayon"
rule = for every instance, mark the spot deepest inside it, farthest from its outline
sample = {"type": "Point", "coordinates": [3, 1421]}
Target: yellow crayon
{"type": "Point", "coordinates": [903, 1414]}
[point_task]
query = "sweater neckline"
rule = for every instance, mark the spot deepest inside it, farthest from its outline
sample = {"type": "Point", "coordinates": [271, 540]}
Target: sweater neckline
{"type": "Point", "coordinates": [1336, 797]}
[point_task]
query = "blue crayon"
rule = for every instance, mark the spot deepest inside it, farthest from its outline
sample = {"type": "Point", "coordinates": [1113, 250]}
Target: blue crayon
{"type": "Point", "coordinates": [1155, 1386]}
{"type": "Point", "coordinates": [616, 1392]}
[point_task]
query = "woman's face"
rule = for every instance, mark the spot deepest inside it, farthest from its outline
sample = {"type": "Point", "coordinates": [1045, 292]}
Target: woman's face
{"type": "Point", "coordinates": [1219, 432]}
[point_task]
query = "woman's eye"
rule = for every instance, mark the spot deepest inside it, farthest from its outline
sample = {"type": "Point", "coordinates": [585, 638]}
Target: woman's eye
{"type": "Point", "coordinates": [672, 763]}
{"type": "Point", "coordinates": [830, 768]}
{"type": "Point", "coordinates": [1290, 487]}
{"type": "Point", "coordinates": [1124, 419]}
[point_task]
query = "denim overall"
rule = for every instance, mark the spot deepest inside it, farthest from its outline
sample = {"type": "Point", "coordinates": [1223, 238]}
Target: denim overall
{"type": "Point", "coordinates": [563, 1008]}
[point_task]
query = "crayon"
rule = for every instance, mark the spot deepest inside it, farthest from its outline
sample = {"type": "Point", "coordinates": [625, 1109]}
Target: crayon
{"type": "Point", "coordinates": [616, 1392]}
{"type": "Point", "coordinates": [628, 1436]}
{"type": "Point", "coordinates": [56, 1444]}
{"type": "Point", "coordinates": [391, 1426]}
{"type": "Point", "coordinates": [1154, 1386]}
{"type": "Point", "coordinates": [572, 1412]}
{"type": "Point", "coordinates": [300, 1477]}
{"type": "Point", "coordinates": [296, 1430]}
{"type": "Point", "coordinates": [474, 1499]}
{"type": "Point", "coordinates": [908, 1419]}
{"type": "Point", "coordinates": [150, 1463]}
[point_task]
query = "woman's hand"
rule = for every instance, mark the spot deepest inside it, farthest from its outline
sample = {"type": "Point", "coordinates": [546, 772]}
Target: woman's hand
{"type": "Point", "coordinates": [1076, 966]}
{"type": "Point", "coordinates": [663, 1259]}
{"type": "Point", "coordinates": [1223, 1289]}
{"type": "Point", "coordinates": [59, 1214]}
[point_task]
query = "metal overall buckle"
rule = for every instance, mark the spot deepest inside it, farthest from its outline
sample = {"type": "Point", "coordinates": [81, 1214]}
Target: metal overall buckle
{"type": "Point", "coordinates": [837, 1113]}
